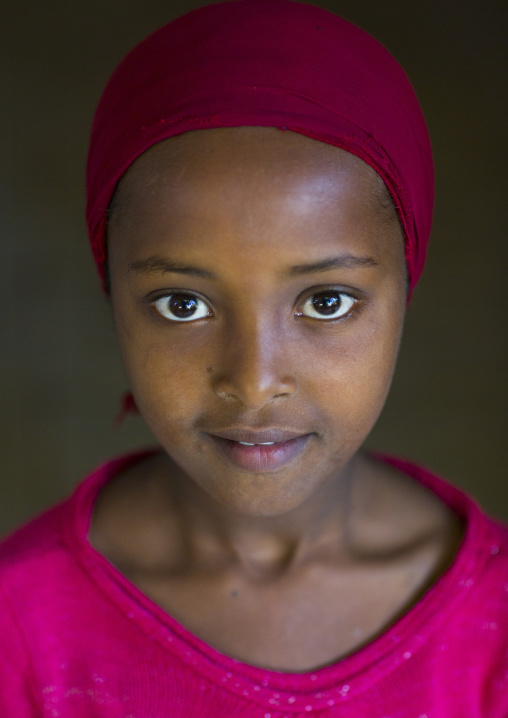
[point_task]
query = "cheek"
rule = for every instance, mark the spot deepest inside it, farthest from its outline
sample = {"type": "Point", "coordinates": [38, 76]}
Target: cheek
{"type": "Point", "coordinates": [353, 374]}
{"type": "Point", "coordinates": [168, 377]}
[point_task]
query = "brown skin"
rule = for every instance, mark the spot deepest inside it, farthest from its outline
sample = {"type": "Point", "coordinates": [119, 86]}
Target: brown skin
{"type": "Point", "coordinates": [295, 567]}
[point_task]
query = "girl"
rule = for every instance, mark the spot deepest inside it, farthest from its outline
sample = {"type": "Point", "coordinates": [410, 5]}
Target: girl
{"type": "Point", "coordinates": [260, 197]}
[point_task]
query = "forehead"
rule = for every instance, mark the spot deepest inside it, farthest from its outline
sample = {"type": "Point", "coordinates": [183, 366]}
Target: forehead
{"type": "Point", "coordinates": [251, 187]}
{"type": "Point", "coordinates": [201, 160]}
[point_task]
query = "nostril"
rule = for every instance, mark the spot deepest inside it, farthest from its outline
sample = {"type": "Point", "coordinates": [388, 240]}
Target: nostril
{"type": "Point", "coordinates": [225, 395]}
{"type": "Point", "coordinates": [250, 382]}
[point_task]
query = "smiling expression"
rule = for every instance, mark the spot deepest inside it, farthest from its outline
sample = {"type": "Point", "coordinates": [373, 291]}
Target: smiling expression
{"type": "Point", "coordinates": [258, 289]}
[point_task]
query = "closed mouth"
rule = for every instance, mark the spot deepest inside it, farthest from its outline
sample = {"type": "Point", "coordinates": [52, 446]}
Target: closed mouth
{"type": "Point", "coordinates": [259, 437]}
{"type": "Point", "coordinates": [265, 452]}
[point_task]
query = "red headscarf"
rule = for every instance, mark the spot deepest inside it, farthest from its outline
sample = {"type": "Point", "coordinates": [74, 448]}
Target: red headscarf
{"type": "Point", "coordinates": [266, 63]}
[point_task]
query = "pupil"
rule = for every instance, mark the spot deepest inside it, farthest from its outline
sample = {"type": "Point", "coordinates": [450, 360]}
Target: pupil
{"type": "Point", "coordinates": [326, 303]}
{"type": "Point", "coordinates": [182, 306]}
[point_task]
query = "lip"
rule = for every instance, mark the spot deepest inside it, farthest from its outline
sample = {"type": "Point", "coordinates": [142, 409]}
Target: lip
{"type": "Point", "coordinates": [286, 446]}
{"type": "Point", "coordinates": [259, 436]}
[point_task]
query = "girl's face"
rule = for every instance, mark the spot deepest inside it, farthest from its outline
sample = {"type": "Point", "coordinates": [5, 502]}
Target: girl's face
{"type": "Point", "coordinates": [258, 288]}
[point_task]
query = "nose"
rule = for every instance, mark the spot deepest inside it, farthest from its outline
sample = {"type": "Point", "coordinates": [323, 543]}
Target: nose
{"type": "Point", "coordinates": [254, 366]}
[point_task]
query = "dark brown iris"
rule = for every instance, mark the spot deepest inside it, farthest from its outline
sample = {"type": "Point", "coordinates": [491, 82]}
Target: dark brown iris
{"type": "Point", "coordinates": [327, 304]}
{"type": "Point", "coordinates": [182, 306]}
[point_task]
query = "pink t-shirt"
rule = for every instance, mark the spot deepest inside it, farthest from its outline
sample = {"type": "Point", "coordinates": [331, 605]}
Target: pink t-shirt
{"type": "Point", "coordinates": [78, 640]}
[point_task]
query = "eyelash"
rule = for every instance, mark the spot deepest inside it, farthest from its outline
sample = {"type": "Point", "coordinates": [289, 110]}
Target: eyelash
{"type": "Point", "coordinates": [313, 298]}
{"type": "Point", "coordinates": [204, 310]}
{"type": "Point", "coordinates": [189, 297]}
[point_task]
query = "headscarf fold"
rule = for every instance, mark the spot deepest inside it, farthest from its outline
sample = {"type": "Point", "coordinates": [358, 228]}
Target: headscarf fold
{"type": "Point", "coordinates": [266, 63]}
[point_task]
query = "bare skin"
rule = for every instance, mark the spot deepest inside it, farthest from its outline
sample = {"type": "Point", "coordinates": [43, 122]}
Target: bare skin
{"type": "Point", "coordinates": [288, 563]}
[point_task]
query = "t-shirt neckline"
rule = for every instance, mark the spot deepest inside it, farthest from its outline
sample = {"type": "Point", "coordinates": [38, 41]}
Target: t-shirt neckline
{"type": "Point", "coordinates": [325, 686]}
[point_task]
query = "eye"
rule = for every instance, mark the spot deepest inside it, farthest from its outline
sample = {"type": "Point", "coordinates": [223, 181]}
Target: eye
{"type": "Point", "coordinates": [181, 307]}
{"type": "Point", "coordinates": [329, 304]}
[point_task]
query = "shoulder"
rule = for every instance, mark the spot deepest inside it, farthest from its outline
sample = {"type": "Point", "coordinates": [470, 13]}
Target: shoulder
{"type": "Point", "coordinates": [466, 609]}
{"type": "Point", "coordinates": [135, 521]}
{"type": "Point", "coordinates": [33, 545]}
{"type": "Point", "coordinates": [38, 572]}
{"type": "Point", "coordinates": [418, 489]}
{"type": "Point", "coordinates": [416, 505]}
{"type": "Point", "coordinates": [483, 534]}
{"type": "Point", "coordinates": [40, 552]}
{"type": "Point", "coordinates": [402, 514]}
{"type": "Point", "coordinates": [480, 562]}
{"type": "Point", "coordinates": [33, 561]}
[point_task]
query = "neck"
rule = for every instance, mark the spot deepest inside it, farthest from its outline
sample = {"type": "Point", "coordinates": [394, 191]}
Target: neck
{"type": "Point", "coordinates": [266, 544]}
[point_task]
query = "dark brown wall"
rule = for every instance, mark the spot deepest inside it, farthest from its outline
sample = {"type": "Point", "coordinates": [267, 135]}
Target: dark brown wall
{"type": "Point", "coordinates": [60, 375]}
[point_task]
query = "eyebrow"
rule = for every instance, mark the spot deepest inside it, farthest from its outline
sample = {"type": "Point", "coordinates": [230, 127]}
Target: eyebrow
{"type": "Point", "coordinates": [156, 264]}
{"type": "Point", "coordinates": [344, 261]}
{"type": "Point", "coordinates": [163, 265]}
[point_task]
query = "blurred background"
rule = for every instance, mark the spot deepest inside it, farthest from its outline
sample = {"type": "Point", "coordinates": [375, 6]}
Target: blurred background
{"type": "Point", "coordinates": [60, 375]}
